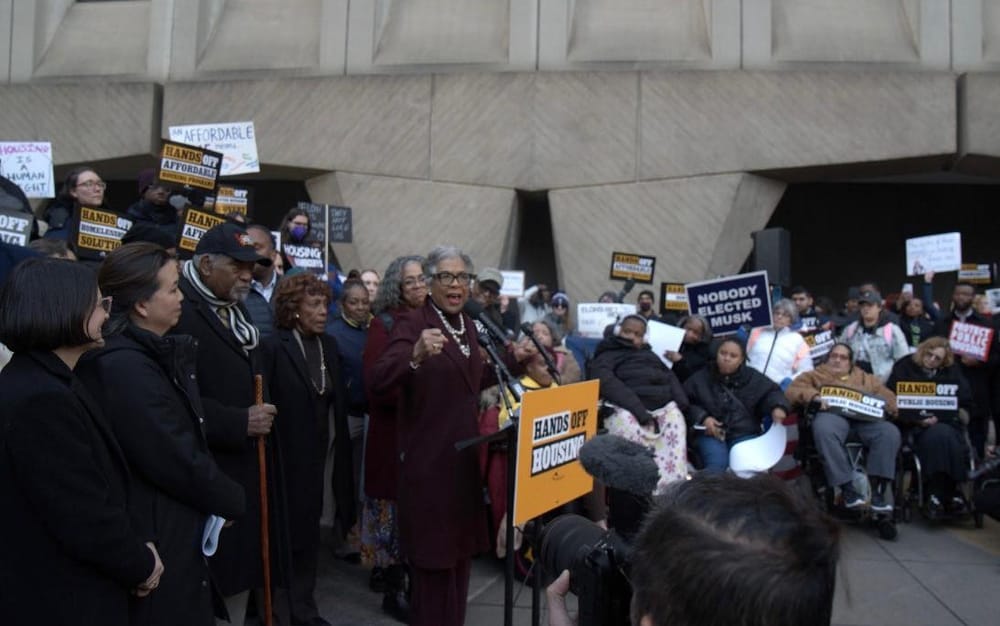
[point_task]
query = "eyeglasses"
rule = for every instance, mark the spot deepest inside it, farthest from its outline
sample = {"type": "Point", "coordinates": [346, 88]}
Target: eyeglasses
{"type": "Point", "coordinates": [105, 303]}
{"type": "Point", "coordinates": [93, 184]}
{"type": "Point", "coordinates": [412, 282]}
{"type": "Point", "coordinates": [447, 278]}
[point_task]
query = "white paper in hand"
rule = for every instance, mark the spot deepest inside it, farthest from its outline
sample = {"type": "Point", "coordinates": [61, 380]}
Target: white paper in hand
{"type": "Point", "coordinates": [662, 337]}
{"type": "Point", "coordinates": [759, 454]}
{"type": "Point", "coordinates": [210, 536]}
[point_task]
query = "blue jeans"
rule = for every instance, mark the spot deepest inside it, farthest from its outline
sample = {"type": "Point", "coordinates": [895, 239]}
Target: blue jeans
{"type": "Point", "coordinates": [715, 453]}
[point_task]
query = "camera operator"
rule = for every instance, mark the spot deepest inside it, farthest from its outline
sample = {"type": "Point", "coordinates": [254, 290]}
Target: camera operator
{"type": "Point", "coordinates": [720, 550]}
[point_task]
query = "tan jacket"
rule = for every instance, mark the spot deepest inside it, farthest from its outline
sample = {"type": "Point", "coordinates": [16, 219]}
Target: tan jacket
{"type": "Point", "coordinates": [806, 386]}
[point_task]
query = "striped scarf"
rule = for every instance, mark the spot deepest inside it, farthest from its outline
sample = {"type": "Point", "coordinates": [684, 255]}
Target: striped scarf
{"type": "Point", "coordinates": [245, 332]}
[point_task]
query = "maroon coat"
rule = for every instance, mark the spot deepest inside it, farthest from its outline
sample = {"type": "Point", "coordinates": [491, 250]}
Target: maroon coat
{"type": "Point", "coordinates": [442, 515]}
{"type": "Point", "coordinates": [381, 460]}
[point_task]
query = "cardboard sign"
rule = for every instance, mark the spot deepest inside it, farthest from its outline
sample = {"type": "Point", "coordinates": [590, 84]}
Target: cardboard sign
{"type": "Point", "coordinates": [820, 343]}
{"type": "Point", "coordinates": [975, 273]}
{"type": "Point", "coordinates": [28, 164]}
{"type": "Point", "coordinates": [231, 199]}
{"type": "Point", "coordinates": [97, 232]}
{"type": "Point", "coordinates": [731, 302]}
{"type": "Point", "coordinates": [593, 317]}
{"type": "Point", "coordinates": [15, 227]}
{"type": "Point", "coordinates": [236, 141]}
{"type": "Point", "coordinates": [971, 340]}
{"type": "Point", "coordinates": [625, 265]}
{"type": "Point", "coordinates": [189, 166]}
{"type": "Point", "coordinates": [554, 425]}
{"type": "Point", "coordinates": [993, 296]}
{"type": "Point", "coordinates": [934, 253]}
{"type": "Point", "coordinates": [853, 404]}
{"type": "Point", "coordinates": [513, 283]}
{"type": "Point", "coordinates": [673, 297]}
{"type": "Point", "coordinates": [194, 224]}
{"type": "Point", "coordinates": [927, 396]}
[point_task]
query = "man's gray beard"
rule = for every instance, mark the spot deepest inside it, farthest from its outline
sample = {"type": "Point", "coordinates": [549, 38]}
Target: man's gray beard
{"type": "Point", "coordinates": [238, 294]}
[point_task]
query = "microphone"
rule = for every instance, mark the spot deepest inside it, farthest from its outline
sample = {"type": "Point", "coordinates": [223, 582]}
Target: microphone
{"type": "Point", "coordinates": [515, 387]}
{"type": "Point", "coordinates": [621, 464]}
{"type": "Point", "coordinates": [549, 365]}
{"type": "Point", "coordinates": [475, 310]}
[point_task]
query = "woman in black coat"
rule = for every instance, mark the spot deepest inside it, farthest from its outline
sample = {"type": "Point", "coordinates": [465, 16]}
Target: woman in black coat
{"type": "Point", "coordinates": [71, 553]}
{"type": "Point", "coordinates": [303, 372]}
{"type": "Point", "coordinates": [938, 432]}
{"type": "Point", "coordinates": [693, 355]}
{"type": "Point", "coordinates": [146, 383]}
{"type": "Point", "coordinates": [728, 402]}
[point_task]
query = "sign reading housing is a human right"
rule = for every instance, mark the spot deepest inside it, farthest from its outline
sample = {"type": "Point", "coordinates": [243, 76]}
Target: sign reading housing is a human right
{"type": "Point", "coordinates": [731, 302]}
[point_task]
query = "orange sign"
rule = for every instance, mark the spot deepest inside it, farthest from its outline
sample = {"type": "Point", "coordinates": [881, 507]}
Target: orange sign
{"type": "Point", "coordinates": [555, 423]}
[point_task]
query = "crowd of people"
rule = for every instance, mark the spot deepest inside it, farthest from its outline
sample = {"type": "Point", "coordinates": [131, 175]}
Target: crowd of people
{"type": "Point", "coordinates": [147, 396]}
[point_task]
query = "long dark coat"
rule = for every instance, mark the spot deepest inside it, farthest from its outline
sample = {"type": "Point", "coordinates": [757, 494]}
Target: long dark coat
{"type": "Point", "coordinates": [225, 373]}
{"type": "Point", "coordinates": [147, 387]}
{"type": "Point", "coordinates": [442, 515]}
{"type": "Point", "coordinates": [381, 458]}
{"type": "Point", "coordinates": [70, 553]}
{"type": "Point", "coordinates": [302, 438]}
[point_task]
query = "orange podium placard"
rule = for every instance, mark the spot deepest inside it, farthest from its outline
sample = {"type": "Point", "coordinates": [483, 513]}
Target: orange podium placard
{"type": "Point", "coordinates": [554, 425]}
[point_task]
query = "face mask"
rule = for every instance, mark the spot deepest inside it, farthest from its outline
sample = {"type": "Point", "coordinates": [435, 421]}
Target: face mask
{"type": "Point", "coordinates": [299, 232]}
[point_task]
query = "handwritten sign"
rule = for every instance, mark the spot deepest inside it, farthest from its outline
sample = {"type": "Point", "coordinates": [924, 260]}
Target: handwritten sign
{"type": "Point", "coordinates": [340, 225]}
{"type": "Point", "coordinates": [189, 166]}
{"type": "Point", "coordinates": [97, 232]}
{"type": "Point", "coordinates": [236, 141]}
{"type": "Point", "coordinates": [934, 253]}
{"type": "Point", "coordinates": [513, 283]}
{"type": "Point", "coordinates": [853, 404]}
{"type": "Point", "coordinates": [15, 227]}
{"type": "Point", "coordinates": [639, 268]}
{"type": "Point", "coordinates": [28, 164]}
{"type": "Point", "coordinates": [317, 220]}
{"type": "Point", "coordinates": [971, 340]}
{"type": "Point", "coordinates": [731, 302]}
{"type": "Point", "coordinates": [194, 225]}
{"type": "Point", "coordinates": [993, 296]}
{"type": "Point", "coordinates": [593, 317]}
{"type": "Point", "coordinates": [231, 199]}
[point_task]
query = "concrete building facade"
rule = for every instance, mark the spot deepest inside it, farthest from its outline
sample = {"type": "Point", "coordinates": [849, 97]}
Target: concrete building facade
{"type": "Point", "coordinates": [667, 128]}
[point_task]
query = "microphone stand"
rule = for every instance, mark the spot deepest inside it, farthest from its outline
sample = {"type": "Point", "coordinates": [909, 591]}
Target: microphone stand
{"type": "Point", "coordinates": [549, 365]}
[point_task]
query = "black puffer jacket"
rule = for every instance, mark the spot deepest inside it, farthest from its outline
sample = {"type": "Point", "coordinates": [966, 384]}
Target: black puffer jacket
{"type": "Point", "coordinates": [695, 357]}
{"type": "Point", "coordinates": [739, 401]}
{"type": "Point", "coordinates": [634, 378]}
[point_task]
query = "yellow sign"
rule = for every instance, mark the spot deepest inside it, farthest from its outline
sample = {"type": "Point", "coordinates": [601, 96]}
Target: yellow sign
{"type": "Point", "coordinates": [673, 297]}
{"type": "Point", "coordinates": [195, 224]}
{"type": "Point", "coordinates": [555, 423]}
{"type": "Point", "coordinates": [639, 268]}
{"type": "Point", "coordinates": [189, 166]}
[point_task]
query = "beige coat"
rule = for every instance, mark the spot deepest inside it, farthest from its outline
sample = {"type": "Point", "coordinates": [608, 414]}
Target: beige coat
{"type": "Point", "coordinates": [806, 386]}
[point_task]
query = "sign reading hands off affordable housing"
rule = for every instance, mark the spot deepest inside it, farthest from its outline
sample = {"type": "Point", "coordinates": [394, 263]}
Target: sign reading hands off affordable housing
{"type": "Point", "coordinates": [731, 302]}
{"type": "Point", "coordinates": [625, 265]}
{"type": "Point", "coordinates": [189, 166]}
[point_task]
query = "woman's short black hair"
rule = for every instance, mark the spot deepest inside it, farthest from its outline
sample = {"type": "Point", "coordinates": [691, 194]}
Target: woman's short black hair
{"type": "Point", "coordinates": [130, 275]}
{"type": "Point", "coordinates": [45, 304]}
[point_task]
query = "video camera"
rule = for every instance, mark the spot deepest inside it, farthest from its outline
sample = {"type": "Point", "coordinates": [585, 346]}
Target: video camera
{"type": "Point", "coordinates": [598, 563]}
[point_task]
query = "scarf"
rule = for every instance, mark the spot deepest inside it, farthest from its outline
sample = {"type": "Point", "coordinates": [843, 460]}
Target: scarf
{"type": "Point", "coordinates": [245, 332]}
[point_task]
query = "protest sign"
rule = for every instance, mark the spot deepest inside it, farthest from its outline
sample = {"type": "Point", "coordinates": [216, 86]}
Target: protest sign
{"type": "Point", "coordinates": [975, 273]}
{"type": "Point", "coordinates": [820, 342]}
{"type": "Point", "coordinates": [851, 403]}
{"type": "Point", "coordinates": [340, 226]}
{"type": "Point", "coordinates": [593, 317]}
{"type": "Point", "coordinates": [97, 232]}
{"type": "Point", "coordinates": [927, 396]}
{"type": "Point", "coordinates": [194, 224]}
{"type": "Point", "coordinates": [28, 164]}
{"type": "Point", "coordinates": [317, 220]}
{"type": "Point", "coordinates": [639, 268]}
{"type": "Point", "coordinates": [15, 227]}
{"type": "Point", "coordinates": [307, 255]}
{"type": "Point", "coordinates": [731, 302]}
{"type": "Point", "coordinates": [934, 253]}
{"type": "Point", "coordinates": [993, 296]}
{"type": "Point", "coordinates": [236, 141]}
{"type": "Point", "coordinates": [662, 337]}
{"type": "Point", "coordinates": [971, 340]}
{"type": "Point", "coordinates": [673, 298]}
{"type": "Point", "coordinates": [554, 425]}
{"type": "Point", "coordinates": [513, 283]}
{"type": "Point", "coordinates": [189, 166]}
{"type": "Point", "coordinates": [231, 199]}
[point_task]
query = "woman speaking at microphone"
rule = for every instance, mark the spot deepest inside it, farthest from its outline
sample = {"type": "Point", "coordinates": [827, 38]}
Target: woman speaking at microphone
{"type": "Point", "coordinates": [434, 362]}
{"type": "Point", "coordinates": [145, 381]}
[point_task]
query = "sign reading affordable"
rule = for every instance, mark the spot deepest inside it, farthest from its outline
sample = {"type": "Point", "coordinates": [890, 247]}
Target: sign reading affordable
{"type": "Point", "coordinates": [98, 232]}
{"type": "Point", "coordinates": [593, 317]}
{"type": "Point", "coordinates": [639, 268]}
{"type": "Point", "coordinates": [554, 425]}
{"type": "Point", "coordinates": [852, 403]}
{"type": "Point", "coordinates": [237, 142]}
{"type": "Point", "coordinates": [731, 302]}
{"type": "Point", "coordinates": [189, 165]}
{"type": "Point", "coordinates": [971, 340]}
{"type": "Point", "coordinates": [15, 227]}
{"type": "Point", "coordinates": [926, 396]}
{"type": "Point", "coordinates": [673, 297]}
{"type": "Point", "coordinates": [193, 227]}
{"type": "Point", "coordinates": [28, 164]}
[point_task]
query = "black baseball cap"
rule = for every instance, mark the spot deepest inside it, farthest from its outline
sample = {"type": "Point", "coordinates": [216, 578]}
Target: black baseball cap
{"type": "Point", "coordinates": [232, 240]}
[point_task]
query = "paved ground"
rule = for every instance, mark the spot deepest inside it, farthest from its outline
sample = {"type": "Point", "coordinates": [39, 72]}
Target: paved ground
{"type": "Point", "coordinates": [930, 576]}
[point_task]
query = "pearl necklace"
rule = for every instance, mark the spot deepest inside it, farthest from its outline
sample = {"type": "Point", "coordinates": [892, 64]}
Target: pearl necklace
{"type": "Point", "coordinates": [457, 333]}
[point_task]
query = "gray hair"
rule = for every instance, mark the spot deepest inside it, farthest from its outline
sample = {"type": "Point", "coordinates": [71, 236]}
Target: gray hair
{"type": "Point", "coordinates": [441, 253]}
{"type": "Point", "coordinates": [390, 291]}
{"type": "Point", "coordinates": [788, 307]}
{"type": "Point", "coordinates": [213, 257]}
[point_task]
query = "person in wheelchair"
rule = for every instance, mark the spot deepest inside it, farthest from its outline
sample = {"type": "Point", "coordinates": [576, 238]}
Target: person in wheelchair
{"type": "Point", "coordinates": [728, 401]}
{"type": "Point", "coordinates": [935, 400]}
{"type": "Point", "coordinates": [831, 429]}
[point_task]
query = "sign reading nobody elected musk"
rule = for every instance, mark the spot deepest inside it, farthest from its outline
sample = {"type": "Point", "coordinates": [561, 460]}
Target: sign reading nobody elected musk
{"type": "Point", "coordinates": [554, 425]}
{"type": "Point", "coordinates": [731, 302]}
{"type": "Point", "coordinates": [625, 265]}
{"type": "Point", "coordinates": [15, 227]}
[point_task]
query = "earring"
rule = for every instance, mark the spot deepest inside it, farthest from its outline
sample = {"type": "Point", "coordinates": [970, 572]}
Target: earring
{"type": "Point", "coordinates": [296, 316]}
